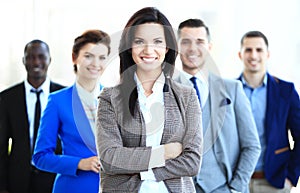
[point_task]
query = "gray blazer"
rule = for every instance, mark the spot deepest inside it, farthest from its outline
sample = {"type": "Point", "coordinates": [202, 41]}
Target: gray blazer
{"type": "Point", "coordinates": [232, 133]}
{"type": "Point", "coordinates": [122, 144]}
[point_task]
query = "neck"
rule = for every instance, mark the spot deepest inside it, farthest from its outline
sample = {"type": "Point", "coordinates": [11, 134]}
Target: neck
{"type": "Point", "coordinates": [148, 79]}
{"type": "Point", "coordinates": [254, 79]}
{"type": "Point", "coordinates": [193, 72]}
{"type": "Point", "coordinates": [87, 84]}
{"type": "Point", "coordinates": [36, 83]}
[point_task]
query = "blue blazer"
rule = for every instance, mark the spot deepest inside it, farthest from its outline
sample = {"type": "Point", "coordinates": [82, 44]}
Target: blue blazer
{"type": "Point", "coordinates": [64, 116]}
{"type": "Point", "coordinates": [283, 113]}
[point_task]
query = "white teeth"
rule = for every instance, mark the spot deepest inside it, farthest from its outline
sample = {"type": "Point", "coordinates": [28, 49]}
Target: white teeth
{"type": "Point", "coordinates": [94, 70]}
{"type": "Point", "coordinates": [149, 59]}
{"type": "Point", "coordinates": [192, 56]}
{"type": "Point", "coordinates": [36, 69]}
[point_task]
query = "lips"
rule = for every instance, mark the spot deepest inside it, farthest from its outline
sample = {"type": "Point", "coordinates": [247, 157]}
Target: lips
{"type": "Point", "coordinates": [36, 69]}
{"type": "Point", "coordinates": [94, 70]}
{"type": "Point", "coordinates": [149, 59]}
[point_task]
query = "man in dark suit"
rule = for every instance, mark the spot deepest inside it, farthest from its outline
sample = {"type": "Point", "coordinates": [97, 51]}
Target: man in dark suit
{"type": "Point", "coordinates": [276, 110]}
{"type": "Point", "coordinates": [17, 123]}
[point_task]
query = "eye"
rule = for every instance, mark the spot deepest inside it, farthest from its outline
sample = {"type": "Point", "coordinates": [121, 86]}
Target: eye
{"type": "Point", "coordinates": [138, 42]}
{"type": "Point", "coordinates": [185, 42]}
{"type": "Point", "coordinates": [42, 57]}
{"type": "Point", "coordinates": [200, 42]}
{"type": "Point", "coordinates": [247, 50]}
{"type": "Point", "coordinates": [88, 56]}
{"type": "Point", "coordinates": [102, 58]}
{"type": "Point", "coordinates": [158, 42]}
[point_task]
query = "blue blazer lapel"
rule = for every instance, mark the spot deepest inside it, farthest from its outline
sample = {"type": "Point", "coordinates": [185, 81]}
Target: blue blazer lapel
{"type": "Point", "coordinates": [82, 122]}
{"type": "Point", "coordinates": [273, 96]}
{"type": "Point", "coordinates": [219, 100]}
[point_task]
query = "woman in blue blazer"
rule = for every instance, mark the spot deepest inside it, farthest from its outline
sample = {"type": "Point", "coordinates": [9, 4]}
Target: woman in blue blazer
{"type": "Point", "coordinates": [70, 115]}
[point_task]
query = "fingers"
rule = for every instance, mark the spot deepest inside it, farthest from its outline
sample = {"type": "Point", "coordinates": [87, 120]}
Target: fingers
{"type": "Point", "coordinates": [172, 150]}
{"type": "Point", "coordinates": [95, 164]}
{"type": "Point", "coordinates": [90, 164]}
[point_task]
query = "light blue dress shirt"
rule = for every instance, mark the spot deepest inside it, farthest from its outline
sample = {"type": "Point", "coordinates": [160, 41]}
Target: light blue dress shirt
{"type": "Point", "coordinates": [258, 100]}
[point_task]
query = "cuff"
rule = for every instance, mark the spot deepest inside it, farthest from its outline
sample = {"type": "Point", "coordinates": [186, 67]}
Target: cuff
{"type": "Point", "coordinates": [157, 157]}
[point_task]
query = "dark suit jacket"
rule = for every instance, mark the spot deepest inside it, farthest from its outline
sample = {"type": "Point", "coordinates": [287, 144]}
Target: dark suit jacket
{"type": "Point", "coordinates": [16, 168]}
{"type": "Point", "coordinates": [283, 113]}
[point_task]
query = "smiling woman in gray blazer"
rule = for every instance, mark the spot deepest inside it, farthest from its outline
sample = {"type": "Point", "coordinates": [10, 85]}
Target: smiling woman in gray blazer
{"type": "Point", "coordinates": [147, 135]}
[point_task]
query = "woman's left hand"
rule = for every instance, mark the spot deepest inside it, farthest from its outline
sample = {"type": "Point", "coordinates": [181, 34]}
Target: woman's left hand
{"type": "Point", "coordinates": [90, 164]}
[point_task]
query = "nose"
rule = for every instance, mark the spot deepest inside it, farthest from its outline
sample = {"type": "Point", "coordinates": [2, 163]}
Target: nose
{"type": "Point", "coordinates": [148, 48]}
{"type": "Point", "coordinates": [254, 54]}
{"type": "Point", "coordinates": [193, 46]}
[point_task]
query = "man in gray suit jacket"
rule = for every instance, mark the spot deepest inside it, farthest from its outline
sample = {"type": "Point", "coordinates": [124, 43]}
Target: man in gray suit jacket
{"type": "Point", "coordinates": [231, 143]}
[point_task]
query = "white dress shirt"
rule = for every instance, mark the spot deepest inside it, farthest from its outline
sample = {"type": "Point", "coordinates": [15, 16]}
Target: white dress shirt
{"type": "Point", "coordinates": [202, 84]}
{"type": "Point", "coordinates": [89, 102]}
{"type": "Point", "coordinates": [152, 108]}
{"type": "Point", "coordinates": [31, 100]}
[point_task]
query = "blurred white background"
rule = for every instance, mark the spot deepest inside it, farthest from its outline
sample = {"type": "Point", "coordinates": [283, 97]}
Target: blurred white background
{"type": "Point", "coordinates": [58, 22]}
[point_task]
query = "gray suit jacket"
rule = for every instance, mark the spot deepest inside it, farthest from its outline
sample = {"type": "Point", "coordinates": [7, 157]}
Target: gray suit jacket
{"type": "Point", "coordinates": [232, 133]}
{"type": "Point", "coordinates": [122, 144]}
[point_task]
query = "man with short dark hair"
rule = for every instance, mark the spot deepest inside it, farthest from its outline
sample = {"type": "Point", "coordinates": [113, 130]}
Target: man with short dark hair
{"type": "Point", "coordinates": [231, 144]}
{"type": "Point", "coordinates": [276, 110]}
{"type": "Point", "coordinates": [20, 108]}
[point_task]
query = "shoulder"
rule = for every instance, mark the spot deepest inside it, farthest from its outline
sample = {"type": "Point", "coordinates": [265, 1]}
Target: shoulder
{"type": "Point", "coordinates": [55, 86]}
{"type": "Point", "coordinates": [226, 83]}
{"type": "Point", "coordinates": [67, 91]}
{"type": "Point", "coordinates": [279, 82]}
{"type": "Point", "coordinates": [285, 87]}
{"type": "Point", "coordinates": [19, 87]}
{"type": "Point", "coordinates": [183, 92]}
{"type": "Point", "coordinates": [110, 93]}
{"type": "Point", "coordinates": [180, 89]}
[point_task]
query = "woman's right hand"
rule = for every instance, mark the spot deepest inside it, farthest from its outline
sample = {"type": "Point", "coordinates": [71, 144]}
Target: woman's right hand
{"type": "Point", "coordinates": [90, 164]}
{"type": "Point", "coordinates": [172, 150]}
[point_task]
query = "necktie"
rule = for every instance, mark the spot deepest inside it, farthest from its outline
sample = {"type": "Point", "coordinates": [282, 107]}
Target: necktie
{"type": "Point", "coordinates": [193, 79]}
{"type": "Point", "coordinates": [37, 115]}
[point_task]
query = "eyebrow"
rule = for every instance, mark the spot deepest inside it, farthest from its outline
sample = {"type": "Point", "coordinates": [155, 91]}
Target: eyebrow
{"type": "Point", "coordinates": [144, 38]}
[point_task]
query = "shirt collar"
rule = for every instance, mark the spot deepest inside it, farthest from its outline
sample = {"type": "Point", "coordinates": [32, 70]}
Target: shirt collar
{"type": "Point", "coordinates": [264, 83]}
{"type": "Point", "coordinates": [198, 75]}
{"type": "Point", "coordinates": [86, 94]}
{"type": "Point", "coordinates": [45, 86]}
{"type": "Point", "coordinates": [157, 87]}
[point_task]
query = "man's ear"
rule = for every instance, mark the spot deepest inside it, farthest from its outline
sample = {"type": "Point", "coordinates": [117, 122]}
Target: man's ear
{"type": "Point", "coordinates": [74, 58]}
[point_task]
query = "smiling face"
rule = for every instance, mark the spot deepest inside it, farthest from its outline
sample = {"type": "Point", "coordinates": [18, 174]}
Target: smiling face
{"type": "Point", "coordinates": [149, 48]}
{"type": "Point", "coordinates": [254, 54]}
{"type": "Point", "coordinates": [193, 48]}
{"type": "Point", "coordinates": [91, 62]}
{"type": "Point", "coordinates": [36, 60]}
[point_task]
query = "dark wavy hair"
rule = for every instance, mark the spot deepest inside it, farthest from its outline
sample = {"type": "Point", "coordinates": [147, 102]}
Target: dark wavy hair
{"type": "Point", "coordinates": [147, 15]}
{"type": "Point", "coordinates": [127, 65]}
{"type": "Point", "coordinates": [90, 36]}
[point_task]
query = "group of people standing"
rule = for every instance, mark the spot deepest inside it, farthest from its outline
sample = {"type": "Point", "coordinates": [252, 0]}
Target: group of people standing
{"type": "Point", "coordinates": [153, 132]}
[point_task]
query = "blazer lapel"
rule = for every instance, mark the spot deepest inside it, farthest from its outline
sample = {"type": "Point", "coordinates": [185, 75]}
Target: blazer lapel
{"type": "Point", "coordinates": [20, 111]}
{"type": "Point", "coordinates": [272, 98]}
{"type": "Point", "coordinates": [82, 122]}
{"type": "Point", "coordinates": [219, 101]}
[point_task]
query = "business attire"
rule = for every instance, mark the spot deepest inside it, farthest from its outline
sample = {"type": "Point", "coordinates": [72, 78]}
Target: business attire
{"type": "Point", "coordinates": [17, 175]}
{"type": "Point", "coordinates": [65, 116]}
{"type": "Point", "coordinates": [282, 113]}
{"type": "Point", "coordinates": [231, 144]}
{"type": "Point", "coordinates": [125, 147]}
